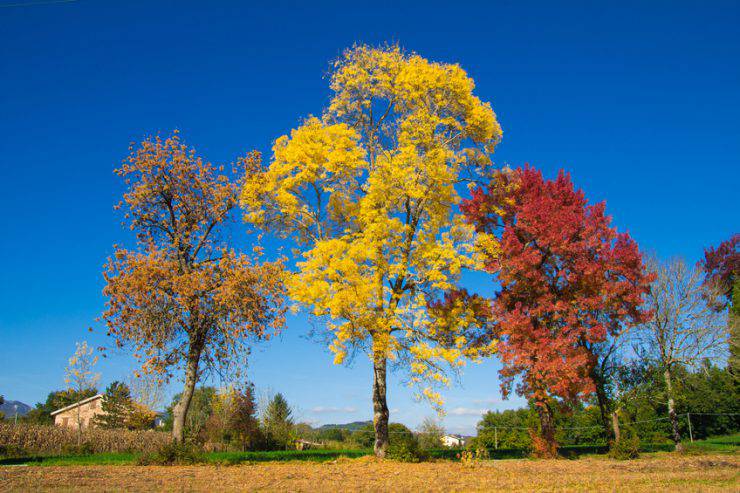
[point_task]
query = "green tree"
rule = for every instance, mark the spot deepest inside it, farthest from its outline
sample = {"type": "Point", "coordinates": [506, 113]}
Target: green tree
{"type": "Point", "coordinates": [116, 406]}
{"type": "Point", "coordinates": [398, 432]}
{"type": "Point", "coordinates": [278, 422]}
{"type": "Point", "coordinates": [507, 429]}
{"type": "Point", "coordinates": [200, 409]}
{"type": "Point", "coordinates": [430, 433]}
{"type": "Point", "coordinates": [332, 434]}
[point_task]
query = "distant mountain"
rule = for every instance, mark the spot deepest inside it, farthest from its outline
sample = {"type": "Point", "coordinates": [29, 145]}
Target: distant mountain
{"type": "Point", "coordinates": [9, 409]}
{"type": "Point", "coordinates": [355, 425]}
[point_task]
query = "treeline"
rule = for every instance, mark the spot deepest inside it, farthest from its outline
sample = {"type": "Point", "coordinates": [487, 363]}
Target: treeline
{"type": "Point", "coordinates": [709, 395]}
{"type": "Point", "coordinates": [230, 419]}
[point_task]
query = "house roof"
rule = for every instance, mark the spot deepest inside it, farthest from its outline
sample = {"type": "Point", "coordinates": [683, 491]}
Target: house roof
{"type": "Point", "coordinates": [78, 403]}
{"type": "Point", "coordinates": [455, 436]}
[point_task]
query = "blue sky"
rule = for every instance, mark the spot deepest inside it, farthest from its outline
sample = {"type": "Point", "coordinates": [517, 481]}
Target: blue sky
{"type": "Point", "coordinates": [638, 100]}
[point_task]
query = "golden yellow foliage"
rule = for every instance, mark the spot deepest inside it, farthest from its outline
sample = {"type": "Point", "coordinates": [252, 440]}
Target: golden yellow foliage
{"type": "Point", "coordinates": [370, 190]}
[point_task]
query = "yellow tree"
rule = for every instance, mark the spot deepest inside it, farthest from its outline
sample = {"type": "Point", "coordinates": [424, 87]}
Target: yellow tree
{"type": "Point", "coordinates": [80, 377]}
{"type": "Point", "coordinates": [369, 191]}
{"type": "Point", "coordinates": [183, 298]}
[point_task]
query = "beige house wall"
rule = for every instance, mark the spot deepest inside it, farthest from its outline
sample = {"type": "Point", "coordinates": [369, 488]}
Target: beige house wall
{"type": "Point", "coordinates": [86, 411]}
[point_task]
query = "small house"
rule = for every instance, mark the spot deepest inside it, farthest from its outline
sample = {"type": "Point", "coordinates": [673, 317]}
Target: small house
{"type": "Point", "coordinates": [453, 440]}
{"type": "Point", "coordinates": [80, 413]}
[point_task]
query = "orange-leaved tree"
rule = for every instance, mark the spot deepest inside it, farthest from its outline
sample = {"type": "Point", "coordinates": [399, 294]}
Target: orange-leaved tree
{"type": "Point", "coordinates": [182, 299]}
{"type": "Point", "coordinates": [369, 191]}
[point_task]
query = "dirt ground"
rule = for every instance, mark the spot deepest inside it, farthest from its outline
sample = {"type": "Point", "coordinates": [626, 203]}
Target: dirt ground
{"type": "Point", "coordinates": [657, 473]}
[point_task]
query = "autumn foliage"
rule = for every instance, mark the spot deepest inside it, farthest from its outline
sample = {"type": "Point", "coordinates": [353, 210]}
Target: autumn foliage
{"type": "Point", "coordinates": [368, 191]}
{"type": "Point", "coordinates": [567, 278]}
{"type": "Point", "coordinates": [722, 265]}
{"type": "Point", "coordinates": [182, 299]}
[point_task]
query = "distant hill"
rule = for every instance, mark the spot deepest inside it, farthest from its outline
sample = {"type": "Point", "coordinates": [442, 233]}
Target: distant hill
{"type": "Point", "coordinates": [355, 425]}
{"type": "Point", "coordinates": [9, 409]}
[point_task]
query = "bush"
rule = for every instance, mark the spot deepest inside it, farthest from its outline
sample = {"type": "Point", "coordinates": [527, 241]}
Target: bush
{"type": "Point", "coordinates": [406, 450]}
{"type": "Point", "coordinates": [84, 448]}
{"type": "Point", "coordinates": [473, 456]}
{"type": "Point", "coordinates": [12, 451]}
{"type": "Point", "coordinates": [625, 448]}
{"type": "Point", "coordinates": [55, 440]}
{"type": "Point", "coordinates": [173, 454]}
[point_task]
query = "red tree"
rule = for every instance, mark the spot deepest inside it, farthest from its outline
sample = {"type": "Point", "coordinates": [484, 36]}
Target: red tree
{"type": "Point", "coordinates": [567, 280]}
{"type": "Point", "coordinates": [722, 265]}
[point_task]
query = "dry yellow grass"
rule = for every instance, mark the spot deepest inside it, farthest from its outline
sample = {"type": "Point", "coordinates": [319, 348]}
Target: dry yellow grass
{"type": "Point", "coordinates": [662, 472]}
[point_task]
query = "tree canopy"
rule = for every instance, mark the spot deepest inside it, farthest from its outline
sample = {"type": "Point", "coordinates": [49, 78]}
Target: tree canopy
{"type": "Point", "coordinates": [368, 191]}
{"type": "Point", "coordinates": [183, 299]}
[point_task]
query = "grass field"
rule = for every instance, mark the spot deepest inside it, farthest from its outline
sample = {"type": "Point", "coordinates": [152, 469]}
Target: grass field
{"type": "Point", "coordinates": [656, 472]}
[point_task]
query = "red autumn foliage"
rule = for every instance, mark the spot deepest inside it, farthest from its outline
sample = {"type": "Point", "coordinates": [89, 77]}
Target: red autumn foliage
{"type": "Point", "coordinates": [722, 264]}
{"type": "Point", "coordinates": [568, 279]}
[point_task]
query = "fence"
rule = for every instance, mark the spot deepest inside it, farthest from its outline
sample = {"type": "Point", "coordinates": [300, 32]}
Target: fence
{"type": "Point", "coordinates": [654, 433]}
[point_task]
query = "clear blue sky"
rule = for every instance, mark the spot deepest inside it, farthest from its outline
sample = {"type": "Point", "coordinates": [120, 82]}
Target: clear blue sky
{"type": "Point", "coordinates": [638, 100]}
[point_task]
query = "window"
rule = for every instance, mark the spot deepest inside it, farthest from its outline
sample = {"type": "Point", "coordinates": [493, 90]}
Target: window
{"type": "Point", "coordinates": [65, 421]}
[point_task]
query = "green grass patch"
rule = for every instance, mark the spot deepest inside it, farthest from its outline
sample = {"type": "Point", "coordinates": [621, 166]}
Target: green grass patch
{"type": "Point", "coordinates": [725, 443]}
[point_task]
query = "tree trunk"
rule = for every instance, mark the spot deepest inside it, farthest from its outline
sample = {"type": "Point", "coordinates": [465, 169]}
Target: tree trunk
{"type": "Point", "coordinates": [179, 413]}
{"type": "Point", "coordinates": [615, 426]}
{"type": "Point", "coordinates": [603, 402]}
{"type": "Point", "coordinates": [548, 447]}
{"type": "Point", "coordinates": [380, 406]}
{"type": "Point", "coordinates": [672, 410]}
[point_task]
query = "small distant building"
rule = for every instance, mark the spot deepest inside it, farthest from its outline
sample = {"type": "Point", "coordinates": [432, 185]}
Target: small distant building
{"type": "Point", "coordinates": [81, 412]}
{"type": "Point", "coordinates": [160, 419]}
{"type": "Point", "coordinates": [301, 444]}
{"type": "Point", "coordinates": [453, 440]}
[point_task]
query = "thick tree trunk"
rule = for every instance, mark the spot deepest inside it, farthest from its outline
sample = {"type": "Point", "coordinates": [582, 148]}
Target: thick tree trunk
{"type": "Point", "coordinates": [180, 412]}
{"type": "Point", "coordinates": [548, 448]}
{"type": "Point", "coordinates": [672, 410]}
{"type": "Point", "coordinates": [603, 402]}
{"type": "Point", "coordinates": [380, 406]}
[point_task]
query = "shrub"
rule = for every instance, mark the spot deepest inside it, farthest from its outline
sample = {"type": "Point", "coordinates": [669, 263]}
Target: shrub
{"type": "Point", "coordinates": [406, 450]}
{"type": "Point", "coordinates": [85, 448]}
{"type": "Point", "coordinates": [173, 454]}
{"type": "Point", "coordinates": [12, 451]}
{"type": "Point", "coordinates": [625, 448]}
{"type": "Point", "coordinates": [471, 457]}
{"type": "Point", "coordinates": [54, 440]}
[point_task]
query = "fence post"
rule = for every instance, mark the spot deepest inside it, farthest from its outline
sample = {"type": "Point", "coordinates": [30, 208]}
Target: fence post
{"type": "Point", "coordinates": [691, 435]}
